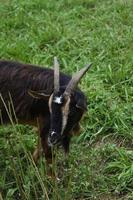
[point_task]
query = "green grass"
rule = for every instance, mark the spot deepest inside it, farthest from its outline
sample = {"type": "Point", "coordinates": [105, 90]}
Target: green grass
{"type": "Point", "coordinates": [100, 165]}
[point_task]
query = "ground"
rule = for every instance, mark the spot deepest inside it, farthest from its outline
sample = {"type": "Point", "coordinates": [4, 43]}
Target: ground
{"type": "Point", "coordinates": [100, 163]}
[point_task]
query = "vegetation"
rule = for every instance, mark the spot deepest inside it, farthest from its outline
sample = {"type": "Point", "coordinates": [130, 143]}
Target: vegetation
{"type": "Point", "coordinates": [100, 164]}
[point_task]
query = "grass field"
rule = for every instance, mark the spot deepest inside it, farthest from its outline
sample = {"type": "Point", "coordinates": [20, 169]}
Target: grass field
{"type": "Point", "coordinates": [100, 164]}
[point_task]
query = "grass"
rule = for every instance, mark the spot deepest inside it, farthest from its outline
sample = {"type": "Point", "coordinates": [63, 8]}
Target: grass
{"type": "Point", "coordinates": [100, 165]}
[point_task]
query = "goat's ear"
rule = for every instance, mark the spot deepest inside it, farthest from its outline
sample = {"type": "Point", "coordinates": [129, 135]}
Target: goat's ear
{"type": "Point", "coordinates": [39, 94]}
{"type": "Point", "coordinates": [81, 104]}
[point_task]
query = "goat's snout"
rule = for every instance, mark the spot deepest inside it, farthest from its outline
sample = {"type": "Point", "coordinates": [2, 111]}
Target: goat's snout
{"type": "Point", "coordinates": [53, 138]}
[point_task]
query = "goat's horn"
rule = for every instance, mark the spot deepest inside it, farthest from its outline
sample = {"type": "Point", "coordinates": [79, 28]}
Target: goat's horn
{"type": "Point", "coordinates": [56, 75]}
{"type": "Point", "coordinates": [75, 80]}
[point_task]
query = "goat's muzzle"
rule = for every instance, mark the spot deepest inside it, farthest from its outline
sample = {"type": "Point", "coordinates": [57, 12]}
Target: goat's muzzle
{"type": "Point", "coordinates": [53, 138]}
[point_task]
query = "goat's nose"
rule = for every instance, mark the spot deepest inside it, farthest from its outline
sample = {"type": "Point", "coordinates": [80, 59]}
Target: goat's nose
{"type": "Point", "coordinates": [53, 138]}
{"type": "Point", "coordinates": [53, 134]}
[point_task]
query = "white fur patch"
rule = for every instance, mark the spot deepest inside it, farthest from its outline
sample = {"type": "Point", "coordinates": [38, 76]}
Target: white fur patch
{"type": "Point", "coordinates": [58, 100]}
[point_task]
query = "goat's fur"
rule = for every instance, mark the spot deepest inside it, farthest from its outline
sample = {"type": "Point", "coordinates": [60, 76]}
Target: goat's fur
{"type": "Point", "coordinates": [16, 80]}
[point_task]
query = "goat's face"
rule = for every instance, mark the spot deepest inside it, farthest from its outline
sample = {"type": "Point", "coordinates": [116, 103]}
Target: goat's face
{"type": "Point", "coordinates": [65, 113]}
{"type": "Point", "coordinates": [59, 110]}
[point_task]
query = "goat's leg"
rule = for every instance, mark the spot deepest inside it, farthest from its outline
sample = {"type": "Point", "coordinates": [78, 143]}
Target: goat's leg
{"type": "Point", "coordinates": [49, 157]}
{"type": "Point", "coordinates": [37, 152]}
{"type": "Point", "coordinates": [44, 129]}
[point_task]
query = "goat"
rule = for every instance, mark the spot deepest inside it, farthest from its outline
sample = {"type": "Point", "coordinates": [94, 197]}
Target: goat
{"type": "Point", "coordinates": [45, 97]}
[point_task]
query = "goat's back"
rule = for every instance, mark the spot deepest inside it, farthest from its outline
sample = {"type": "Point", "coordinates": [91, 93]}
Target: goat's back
{"type": "Point", "coordinates": [15, 81]}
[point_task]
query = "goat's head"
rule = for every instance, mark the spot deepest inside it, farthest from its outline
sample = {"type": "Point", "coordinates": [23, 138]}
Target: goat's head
{"type": "Point", "coordinates": [65, 113]}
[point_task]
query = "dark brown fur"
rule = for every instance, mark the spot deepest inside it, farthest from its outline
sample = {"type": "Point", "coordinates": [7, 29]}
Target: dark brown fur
{"type": "Point", "coordinates": [16, 80]}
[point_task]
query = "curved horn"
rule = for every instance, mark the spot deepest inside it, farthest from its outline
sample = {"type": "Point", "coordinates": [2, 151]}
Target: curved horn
{"type": "Point", "coordinates": [75, 80]}
{"type": "Point", "coordinates": [56, 75]}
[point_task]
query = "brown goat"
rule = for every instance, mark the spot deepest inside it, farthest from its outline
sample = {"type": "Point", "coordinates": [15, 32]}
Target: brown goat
{"type": "Point", "coordinates": [44, 98]}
